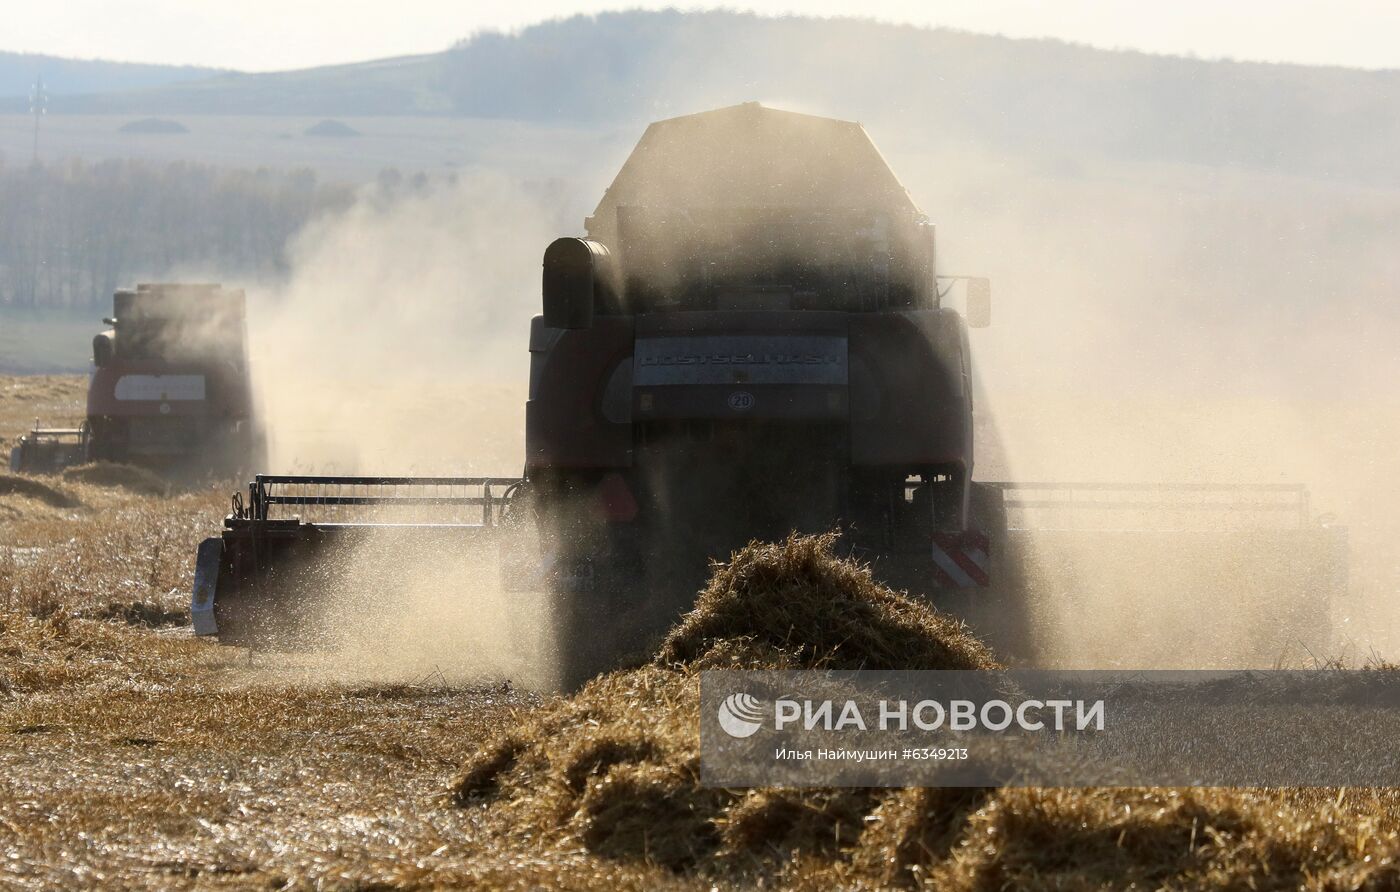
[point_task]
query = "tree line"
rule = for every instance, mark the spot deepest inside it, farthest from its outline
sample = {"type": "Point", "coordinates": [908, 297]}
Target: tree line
{"type": "Point", "coordinates": [73, 232]}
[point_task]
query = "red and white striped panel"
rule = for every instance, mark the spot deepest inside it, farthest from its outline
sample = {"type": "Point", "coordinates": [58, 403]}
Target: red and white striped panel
{"type": "Point", "coordinates": [960, 560]}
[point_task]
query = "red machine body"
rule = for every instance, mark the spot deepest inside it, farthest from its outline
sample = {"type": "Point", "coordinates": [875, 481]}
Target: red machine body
{"type": "Point", "coordinates": [171, 385]}
{"type": "Point", "coordinates": [749, 342]}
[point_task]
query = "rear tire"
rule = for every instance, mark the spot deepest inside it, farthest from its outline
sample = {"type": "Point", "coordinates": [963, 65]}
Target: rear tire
{"type": "Point", "coordinates": [607, 612]}
{"type": "Point", "coordinates": [581, 645]}
{"type": "Point", "coordinates": [1004, 613]}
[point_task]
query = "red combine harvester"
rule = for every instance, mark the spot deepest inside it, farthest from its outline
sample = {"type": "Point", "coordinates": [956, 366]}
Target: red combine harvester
{"type": "Point", "coordinates": [751, 339]}
{"type": "Point", "coordinates": [170, 388]}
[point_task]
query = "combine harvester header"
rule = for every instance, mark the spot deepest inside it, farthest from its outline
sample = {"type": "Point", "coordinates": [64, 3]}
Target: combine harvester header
{"type": "Point", "coordinates": [291, 524]}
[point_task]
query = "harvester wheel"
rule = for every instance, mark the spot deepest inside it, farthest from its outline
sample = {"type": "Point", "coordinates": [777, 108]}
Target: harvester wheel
{"type": "Point", "coordinates": [610, 605]}
{"type": "Point", "coordinates": [1004, 612]}
{"type": "Point", "coordinates": [579, 641]}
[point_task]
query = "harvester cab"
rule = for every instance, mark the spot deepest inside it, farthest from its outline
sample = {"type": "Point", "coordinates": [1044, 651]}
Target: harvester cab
{"type": "Point", "coordinates": [751, 339]}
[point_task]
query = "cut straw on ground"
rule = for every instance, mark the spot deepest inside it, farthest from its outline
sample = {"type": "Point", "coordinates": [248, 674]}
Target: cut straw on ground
{"type": "Point", "coordinates": [614, 770]}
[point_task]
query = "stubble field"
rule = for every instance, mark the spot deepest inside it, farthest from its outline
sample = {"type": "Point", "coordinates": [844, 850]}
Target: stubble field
{"type": "Point", "coordinates": [136, 756]}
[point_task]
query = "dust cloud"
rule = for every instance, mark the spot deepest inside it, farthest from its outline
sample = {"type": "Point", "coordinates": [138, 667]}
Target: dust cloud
{"type": "Point", "coordinates": [1156, 324]}
{"type": "Point", "coordinates": [417, 604]}
{"type": "Point", "coordinates": [181, 322]}
{"type": "Point", "coordinates": [1160, 323]}
{"type": "Point", "coordinates": [1153, 323]}
{"type": "Point", "coordinates": [399, 346]}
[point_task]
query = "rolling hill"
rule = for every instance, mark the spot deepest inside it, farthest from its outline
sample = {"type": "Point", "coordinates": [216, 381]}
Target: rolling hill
{"type": "Point", "coordinates": [1049, 98]}
{"type": "Point", "coordinates": [67, 77]}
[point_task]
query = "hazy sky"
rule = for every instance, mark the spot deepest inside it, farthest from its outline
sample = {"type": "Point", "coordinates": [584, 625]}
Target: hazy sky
{"type": "Point", "coordinates": [273, 34]}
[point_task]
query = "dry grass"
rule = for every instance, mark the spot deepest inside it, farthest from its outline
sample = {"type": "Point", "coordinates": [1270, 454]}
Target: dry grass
{"type": "Point", "coordinates": [614, 770]}
{"type": "Point", "coordinates": [135, 756]}
{"type": "Point", "coordinates": [55, 400]}
{"type": "Point", "coordinates": [129, 477]}
{"type": "Point", "coordinates": [36, 490]}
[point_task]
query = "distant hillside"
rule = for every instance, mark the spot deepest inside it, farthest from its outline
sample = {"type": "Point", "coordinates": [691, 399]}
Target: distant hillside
{"type": "Point", "coordinates": [1046, 98]}
{"type": "Point", "coordinates": [66, 77]}
{"type": "Point", "coordinates": [411, 85]}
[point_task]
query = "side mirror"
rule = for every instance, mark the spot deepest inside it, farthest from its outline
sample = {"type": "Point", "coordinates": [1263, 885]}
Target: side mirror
{"type": "Point", "coordinates": [102, 349]}
{"type": "Point", "coordinates": [979, 303]}
{"type": "Point", "coordinates": [575, 269]}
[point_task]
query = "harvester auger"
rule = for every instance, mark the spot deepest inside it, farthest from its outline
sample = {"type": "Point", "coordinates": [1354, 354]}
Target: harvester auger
{"type": "Point", "coordinates": [750, 340]}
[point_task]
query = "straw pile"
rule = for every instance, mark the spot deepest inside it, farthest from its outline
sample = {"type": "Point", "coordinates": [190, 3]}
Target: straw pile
{"type": "Point", "coordinates": [29, 488]}
{"type": "Point", "coordinates": [793, 605]}
{"type": "Point", "coordinates": [111, 474]}
{"type": "Point", "coordinates": [613, 772]}
{"type": "Point", "coordinates": [616, 766]}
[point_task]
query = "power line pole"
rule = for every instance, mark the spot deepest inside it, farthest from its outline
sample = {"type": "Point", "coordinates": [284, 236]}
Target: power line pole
{"type": "Point", "coordinates": [38, 107]}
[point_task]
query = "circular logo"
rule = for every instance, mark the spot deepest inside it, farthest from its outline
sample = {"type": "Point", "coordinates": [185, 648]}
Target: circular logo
{"type": "Point", "coordinates": [741, 401]}
{"type": "Point", "coordinates": [165, 408]}
{"type": "Point", "coordinates": [740, 715]}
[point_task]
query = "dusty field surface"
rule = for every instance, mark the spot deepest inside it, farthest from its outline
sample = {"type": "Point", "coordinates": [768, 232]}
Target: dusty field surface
{"type": "Point", "coordinates": [135, 756]}
{"type": "Point", "coordinates": [55, 400]}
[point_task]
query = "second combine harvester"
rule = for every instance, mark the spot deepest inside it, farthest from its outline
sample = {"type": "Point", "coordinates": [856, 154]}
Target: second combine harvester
{"type": "Point", "coordinates": [170, 389]}
{"type": "Point", "coordinates": [750, 340]}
